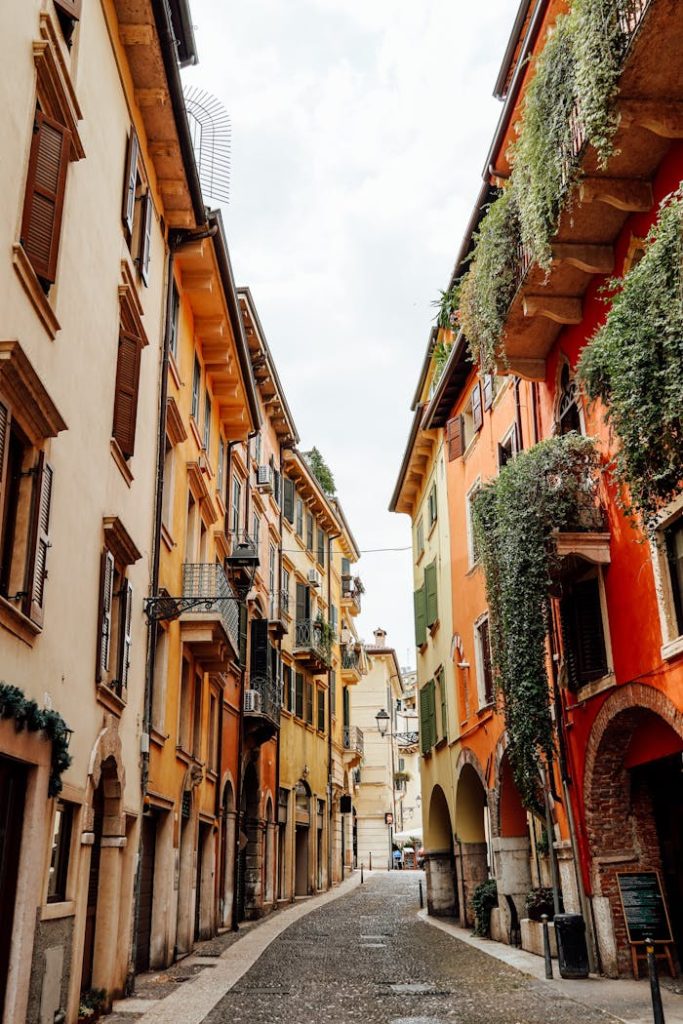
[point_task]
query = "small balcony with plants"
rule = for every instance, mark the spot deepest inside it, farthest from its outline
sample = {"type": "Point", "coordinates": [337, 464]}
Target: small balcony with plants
{"type": "Point", "coordinates": [353, 746]}
{"type": "Point", "coordinates": [313, 640]}
{"type": "Point", "coordinates": [597, 118]}
{"type": "Point", "coordinates": [352, 590]}
{"type": "Point", "coordinates": [351, 664]}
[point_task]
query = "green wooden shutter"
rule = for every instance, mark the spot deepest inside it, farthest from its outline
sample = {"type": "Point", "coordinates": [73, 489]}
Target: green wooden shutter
{"type": "Point", "coordinates": [431, 702]}
{"type": "Point", "coordinates": [420, 616]}
{"type": "Point", "coordinates": [431, 595]}
{"type": "Point", "coordinates": [288, 509]}
{"type": "Point", "coordinates": [427, 723]}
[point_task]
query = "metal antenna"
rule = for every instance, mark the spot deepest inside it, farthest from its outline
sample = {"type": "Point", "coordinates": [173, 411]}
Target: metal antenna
{"type": "Point", "coordinates": [210, 129]}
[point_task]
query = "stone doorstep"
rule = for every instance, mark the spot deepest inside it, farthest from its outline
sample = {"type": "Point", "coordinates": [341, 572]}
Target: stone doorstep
{"type": "Point", "coordinates": [625, 999]}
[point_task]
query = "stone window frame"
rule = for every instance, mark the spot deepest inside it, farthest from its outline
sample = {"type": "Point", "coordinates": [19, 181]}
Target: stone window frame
{"type": "Point", "coordinates": [672, 640]}
{"type": "Point", "coordinates": [482, 702]}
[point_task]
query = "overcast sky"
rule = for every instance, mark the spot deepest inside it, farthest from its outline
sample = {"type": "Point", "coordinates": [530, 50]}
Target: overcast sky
{"type": "Point", "coordinates": [359, 133]}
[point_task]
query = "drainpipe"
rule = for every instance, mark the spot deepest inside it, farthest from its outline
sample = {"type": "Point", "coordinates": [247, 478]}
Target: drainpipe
{"type": "Point", "coordinates": [330, 824]}
{"type": "Point", "coordinates": [278, 591]}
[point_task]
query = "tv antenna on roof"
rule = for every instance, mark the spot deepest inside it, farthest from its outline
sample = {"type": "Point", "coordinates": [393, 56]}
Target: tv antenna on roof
{"type": "Point", "coordinates": [211, 132]}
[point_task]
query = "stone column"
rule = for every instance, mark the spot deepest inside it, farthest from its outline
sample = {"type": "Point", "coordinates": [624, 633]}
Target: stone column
{"type": "Point", "coordinates": [472, 869]}
{"type": "Point", "coordinates": [108, 904]}
{"type": "Point", "coordinates": [513, 874]}
{"type": "Point", "coordinates": [442, 899]}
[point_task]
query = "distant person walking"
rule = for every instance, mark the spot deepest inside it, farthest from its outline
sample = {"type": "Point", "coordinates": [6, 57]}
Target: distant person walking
{"type": "Point", "coordinates": [398, 860]}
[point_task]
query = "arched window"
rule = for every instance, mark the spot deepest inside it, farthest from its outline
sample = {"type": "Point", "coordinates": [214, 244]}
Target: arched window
{"type": "Point", "coordinates": [568, 418]}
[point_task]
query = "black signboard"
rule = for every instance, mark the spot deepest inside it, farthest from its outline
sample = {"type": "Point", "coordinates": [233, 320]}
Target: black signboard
{"type": "Point", "coordinates": [644, 907]}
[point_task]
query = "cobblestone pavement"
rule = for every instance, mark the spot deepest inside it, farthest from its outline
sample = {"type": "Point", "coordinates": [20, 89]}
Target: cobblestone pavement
{"type": "Point", "coordinates": [367, 958]}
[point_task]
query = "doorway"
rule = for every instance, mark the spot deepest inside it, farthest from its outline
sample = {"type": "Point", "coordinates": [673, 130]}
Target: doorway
{"type": "Point", "coordinates": [147, 860]}
{"type": "Point", "coordinates": [12, 796]}
{"type": "Point", "coordinates": [93, 889]}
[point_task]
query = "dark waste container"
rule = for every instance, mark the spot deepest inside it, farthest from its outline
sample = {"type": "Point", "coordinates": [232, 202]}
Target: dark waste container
{"type": "Point", "coordinates": [572, 952]}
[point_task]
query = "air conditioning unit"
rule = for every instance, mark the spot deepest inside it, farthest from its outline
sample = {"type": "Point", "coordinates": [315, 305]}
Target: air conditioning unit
{"type": "Point", "coordinates": [346, 637]}
{"type": "Point", "coordinates": [264, 479]}
{"type": "Point", "coordinates": [252, 701]}
{"type": "Point", "coordinates": [314, 578]}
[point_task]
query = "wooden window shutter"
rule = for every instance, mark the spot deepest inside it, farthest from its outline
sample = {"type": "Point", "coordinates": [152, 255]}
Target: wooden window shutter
{"type": "Point", "coordinates": [146, 236]}
{"type": "Point", "coordinates": [420, 616]}
{"type": "Point", "coordinates": [477, 414]}
{"type": "Point", "coordinates": [36, 563]}
{"type": "Point", "coordinates": [299, 701]}
{"type": "Point", "coordinates": [70, 7]}
{"type": "Point", "coordinates": [130, 182]}
{"type": "Point", "coordinates": [44, 200]}
{"type": "Point", "coordinates": [583, 633]}
{"type": "Point", "coordinates": [126, 401]}
{"type": "Point", "coordinates": [431, 595]}
{"type": "Point", "coordinates": [301, 595]}
{"type": "Point", "coordinates": [259, 648]}
{"type": "Point", "coordinates": [243, 622]}
{"type": "Point", "coordinates": [4, 449]}
{"type": "Point", "coordinates": [455, 436]}
{"type": "Point", "coordinates": [488, 390]}
{"type": "Point", "coordinates": [321, 710]}
{"type": "Point", "coordinates": [125, 620]}
{"type": "Point", "coordinates": [104, 617]}
{"type": "Point", "coordinates": [321, 547]}
{"type": "Point", "coordinates": [288, 509]}
{"type": "Point", "coordinates": [427, 721]}
{"type": "Point", "coordinates": [431, 707]}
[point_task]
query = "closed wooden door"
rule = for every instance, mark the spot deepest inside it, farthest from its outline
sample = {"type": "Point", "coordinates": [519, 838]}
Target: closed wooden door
{"type": "Point", "coordinates": [12, 797]}
{"type": "Point", "coordinates": [93, 888]}
{"type": "Point", "coordinates": [149, 838]}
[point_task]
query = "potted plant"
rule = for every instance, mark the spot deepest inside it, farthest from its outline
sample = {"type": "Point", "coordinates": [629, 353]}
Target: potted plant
{"type": "Point", "coordinates": [92, 1005]}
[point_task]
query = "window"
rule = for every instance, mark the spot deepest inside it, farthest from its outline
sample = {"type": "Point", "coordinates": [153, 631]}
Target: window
{"type": "Point", "coordinates": [482, 640]}
{"type": "Point", "coordinates": [191, 529]}
{"type": "Point", "coordinates": [115, 629]}
{"type": "Point", "coordinates": [471, 539]}
{"type": "Point", "coordinates": [26, 483]}
{"type": "Point", "coordinates": [333, 693]}
{"type": "Point", "coordinates": [196, 386]}
{"type": "Point", "coordinates": [175, 320]}
{"type": "Point", "coordinates": [287, 687]}
{"type": "Point", "coordinates": [303, 603]}
{"type": "Point", "coordinates": [288, 499]}
{"type": "Point", "coordinates": [185, 708]}
{"type": "Point", "coordinates": [271, 579]}
{"type": "Point", "coordinates": [213, 734]}
{"type": "Point", "coordinates": [59, 857]}
{"type": "Point", "coordinates": [583, 631]}
{"type": "Point", "coordinates": [236, 505]}
{"type": "Point", "coordinates": [420, 608]}
{"type": "Point", "coordinates": [197, 717]}
{"type": "Point", "coordinates": [309, 532]}
{"type": "Point", "coordinates": [673, 540]}
{"type": "Point", "coordinates": [321, 710]}
{"type": "Point", "coordinates": [431, 597]}
{"type": "Point", "coordinates": [455, 437]}
{"type": "Point", "coordinates": [488, 387]}
{"type": "Point", "coordinates": [168, 486]}
{"type": "Point", "coordinates": [44, 196]}
{"type": "Point", "coordinates": [68, 13]}
{"type": "Point", "coordinates": [420, 536]}
{"type": "Point", "coordinates": [285, 592]}
{"type": "Point", "coordinates": [508, 447]}
{"type": "Point", "coordinates": [221, 467]}
{"type": "Point", "coordinates": [137, 210]}
{"type": "Point", "coordinates": [309, 701]}
{"type": "Point", "coordinates": [440, 687]}
{"type": "Point", "coordinates": [432, 507]}
{"type": "Point", "coordinates": [256, 530]}
{"type": "Point", "coordinates": [207, 422]}
{"type": "Point", "coordinates": [159, 681]}
{"type": "Point", "coordinates": [299, 695]}
{"type": "Point", "coordinates": [476, 407]}
{"type": "Point", "coordinates": [299, 518]}
{"type": "Point", "coordinates": [321, 546]}
{"type": "Point", "coordinates": [132, 339]}
{"type": "Point", "coordinates": [568, 417]}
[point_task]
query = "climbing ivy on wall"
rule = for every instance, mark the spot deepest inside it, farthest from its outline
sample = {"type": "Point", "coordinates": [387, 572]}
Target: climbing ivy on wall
{"type": "Point", "coordinates": [27, 715]}
{"type": "Point", "coordinates": [550, 487]}
{"type": "Point", "coordinates": [634, 363]}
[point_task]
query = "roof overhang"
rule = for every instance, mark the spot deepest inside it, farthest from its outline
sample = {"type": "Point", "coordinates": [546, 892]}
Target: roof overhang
{"type": "Point", "coordinates": [453, 379]}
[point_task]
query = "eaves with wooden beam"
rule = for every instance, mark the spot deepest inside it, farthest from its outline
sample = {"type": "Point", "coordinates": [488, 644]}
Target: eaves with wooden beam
{"type": "Point", "coordinates": [144, 30]}
{"type": "Point", "coordinates": [206, 282]}
{"type": "Point", "coordinates": [295, 467]}
{"type": "Point", "coordinates": [265, 372]}
{"type": "Point", "coordinates": [417, 458]}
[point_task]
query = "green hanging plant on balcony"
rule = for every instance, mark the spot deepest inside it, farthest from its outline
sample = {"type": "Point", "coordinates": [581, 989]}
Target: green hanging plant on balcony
{"type": "Point", "coordinates": [442, 350]}
{"type": "Point", "coordinates": [27, 715]}
{"type": "Point", "coordinates": [547, 488]}
{"type": "Point", "coordinates": [634, 364]}
{"type": "Point", "coordinates": [449, 305]}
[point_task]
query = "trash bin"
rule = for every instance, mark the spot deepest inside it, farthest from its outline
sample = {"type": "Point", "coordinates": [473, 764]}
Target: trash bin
{"type": "Point", "coordinates": [572, 952]}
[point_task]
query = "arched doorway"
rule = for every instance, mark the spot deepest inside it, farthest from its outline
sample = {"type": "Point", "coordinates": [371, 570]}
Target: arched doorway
{"type": "Point", "coordinates": [471, 834]}
{"type": "Point", "coordinates": [302, 800]}
{"type": "Point", "coordinates": [512, 852]}
{"type": "Point", "coordinates": [442, 897]}
{"type": "Point", "coordinates": [186, 881]}
{"type": "Point", "coordinates": [227, 862]}
{"type": "Point", "coordinates": [634, 811]}
{"type": "Point", "coordinates": [249, 881]}
{"type": "Point", "coordinates": [269, 868]}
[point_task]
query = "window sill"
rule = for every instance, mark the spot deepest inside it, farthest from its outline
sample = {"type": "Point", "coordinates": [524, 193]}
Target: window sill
{"type": "Point", "coordinates": [173, 370]}
{"type": "Point", "coordinates": [110, 700]}
{"type": "Point", "coordinates": [471, 445]}
{"type": "Point", "coordinates": [597, 686]}
{"type": "Point", "coordinates": [486, 711]}
{"type": "Point", "coordinates": [121, 464]}
{"type": "Point", "coordinates": [420, 556]}
{"type": "Point", "coordinates": [54, 911]}
{"type": "Point", "coordinates": [673, 648]}
{"type": "Point", "coordinates": [194, 430]}
{"type": "Point", "coordinates": [473, 568]}
{"type": "Point", "coordinates": [440, 743]}
{"type": "Point", "coordinates": [183, 755]}
{"type": "Point", "coordinates": [434, 628]}
{"type": "Point", "coordinates": [211, 774]}
{"type": "Point", "coordinates": [17, 623]}
{"type": "Point", "coordinates": [35, 293]}
{"type": "Point", "coordinates": [157, 738]}
{"type": "Point", "coordinates": [167, 537]}
{"type": "Point", "coordinates": [432, 528]}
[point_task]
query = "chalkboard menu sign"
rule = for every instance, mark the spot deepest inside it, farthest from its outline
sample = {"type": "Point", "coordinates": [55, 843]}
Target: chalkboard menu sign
{"type": "Point", "coordinates": [644, 907]}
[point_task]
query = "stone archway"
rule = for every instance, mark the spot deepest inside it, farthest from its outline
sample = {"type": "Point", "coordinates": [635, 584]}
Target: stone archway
{"type": "Point", "coordinates": [442, 898]}
{"type": "Point", "coordinates": [250, 868]}
{"type": "Point", "coordinates": [227, 861]}
{"type": "Point", "coordinates": [633, 798]}
{"type": "Point", "coordinates": [269, 858]}
{"type": "Point", "coordinates": [470, 830]}
{"type": "Point", "coordinates": [187, 845]}
{"type": "Point", "coordinates": [302, 838]}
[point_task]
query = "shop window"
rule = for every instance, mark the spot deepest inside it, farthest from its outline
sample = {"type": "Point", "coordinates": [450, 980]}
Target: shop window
{"type": "Point", "coordinates": [583, 629]}
{"type": "Point", "coordinates": [59, 856]}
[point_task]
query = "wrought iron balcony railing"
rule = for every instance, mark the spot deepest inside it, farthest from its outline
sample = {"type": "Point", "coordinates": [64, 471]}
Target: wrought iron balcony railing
{"type": "Point", "coordinates": [353, 739]}
{"type": "Point", "coordinates": [279, 605]}
{"type": "Point", "coordinates": [314, 637]}
{"type": "Point", "coordinates": [407, 739]}
{"type": "Point", "coordinates": [351, 659]}
{"type": "Point", "coordinates": [266, 701]}
{"type": "Point", "coordinates": [206, 589]}
{"type": "Point", "coordinates": [352, 589]}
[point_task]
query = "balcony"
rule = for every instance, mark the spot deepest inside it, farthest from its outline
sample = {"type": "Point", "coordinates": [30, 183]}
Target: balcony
{"type": "Point", "coordinates": [650, 109]}
{"type": "Point", "coordinates": [352, 588]}
{"type": "Point", "coordinates": [209, 620]}
{"type": "Point", "coordinates": [407, 740]}
{"type": "Point", "coordinates": [313, 644]}
{"type": "Point", "coordinates": [353, 746]}
{"type": "Point", "coordinates": [351, 665]}
{"type": "Point", "coordinates": [262, 704]}
{"type": "Point", "coordinates": [278, 613]}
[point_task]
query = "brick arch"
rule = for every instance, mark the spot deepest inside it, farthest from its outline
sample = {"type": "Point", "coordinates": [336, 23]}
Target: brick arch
{"type": "Point", "coordinates": [467, 796]}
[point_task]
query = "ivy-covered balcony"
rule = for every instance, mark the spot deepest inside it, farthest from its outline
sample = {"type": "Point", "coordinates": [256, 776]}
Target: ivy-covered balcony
{"type": "Point", "coordinates": [313, 639]}
{"type": "Point", "coordinates": [598, 116]}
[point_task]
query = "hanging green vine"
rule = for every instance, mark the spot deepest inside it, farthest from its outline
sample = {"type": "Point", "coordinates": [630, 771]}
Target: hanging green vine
{"type": "Point", "coordinates": [548, 487]}
{"type": "Point", "coordinates": [442, 350]}
{"type": "Point", "coordinates": [635, 365]}
{"type": "Point", "coordinates": [449, 304]}
{"type": "Point", "coordinates": [484, 899]}
{"type": "Point", "coordinates": [27, 715]}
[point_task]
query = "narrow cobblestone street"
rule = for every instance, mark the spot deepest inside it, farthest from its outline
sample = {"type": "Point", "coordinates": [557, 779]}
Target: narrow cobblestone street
{"type": "Point", "coordinates": [366, 957]}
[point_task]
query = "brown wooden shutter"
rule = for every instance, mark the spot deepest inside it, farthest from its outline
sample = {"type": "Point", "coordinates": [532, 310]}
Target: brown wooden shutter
{"type": "Point", "coordinates": [130, 182]}
{"type": "Point", "coordinates": [36, 563]}
{"type": "Point", "coordinates": [70, 7]}
{"type": "Point", "coordinates": [146, 236]}
{"type": "Point", "coordinates": [44, 200]}
{"type": "Point", "coordinates": [126, 401]}
{"type": "Point", "coordinates": [477, 414]}
{"type": "Point", "coordinates": [488, 390]}
{"type": "Point", "coordinates": [104, 616]}
{"type": "Point", "coordinates": [4, 449]}
{"type": "Point", "coordinates": [583, 633]}
{"type": "Point", "coordinates": [125, 632]}
{"type": "Point", "coordinates": [455, 435]}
